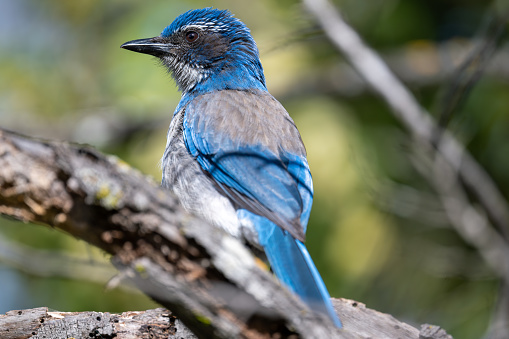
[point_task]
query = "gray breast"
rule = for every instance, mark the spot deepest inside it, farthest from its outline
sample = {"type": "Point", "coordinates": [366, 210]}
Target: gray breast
{"type": "Point", "coordinates": [176, 160]}
{"type": "Point", "coordinates": [183, 175]}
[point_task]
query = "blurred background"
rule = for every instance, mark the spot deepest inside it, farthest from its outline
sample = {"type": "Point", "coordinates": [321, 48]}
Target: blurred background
{"type": "Point", "coordinates": [378, 232]}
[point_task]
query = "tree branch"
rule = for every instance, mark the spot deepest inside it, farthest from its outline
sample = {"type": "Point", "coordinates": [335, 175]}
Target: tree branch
{"type": "Point", "coordinates": [207, 278]}
{"type": "Point", "coordinates": [193, 269]}
{"type": "Point", "coordinates": [162, 324]}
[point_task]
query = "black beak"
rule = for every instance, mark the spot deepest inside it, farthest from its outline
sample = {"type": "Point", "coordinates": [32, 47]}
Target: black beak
{"type": "Point", "coordinates": [153, 46]}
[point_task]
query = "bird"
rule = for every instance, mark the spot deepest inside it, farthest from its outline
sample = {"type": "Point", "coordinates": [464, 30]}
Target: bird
{"type": "Point", "coordinates": [233, 155]}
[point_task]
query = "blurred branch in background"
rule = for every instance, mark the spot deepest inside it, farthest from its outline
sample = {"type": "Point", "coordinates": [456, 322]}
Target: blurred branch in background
{"type": "Point", "coordinates": [419, 64]}
{"type": "Point", "coordinates": [473, 67]}
{"type": "Point", "coordinates": [409, 203]}
{"type": "Point", "coordinates": [472, 224]}
{"type": "Point", "coordinates": [444, 161]}
{"type": "Point", "coordinates": [49, 263]}
{"type": "Point", "coordinates": [102, 127]}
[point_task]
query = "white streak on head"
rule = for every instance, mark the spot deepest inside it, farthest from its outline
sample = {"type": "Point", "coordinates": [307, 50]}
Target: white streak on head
{"type": "Point", "coordinates": [209, 26]}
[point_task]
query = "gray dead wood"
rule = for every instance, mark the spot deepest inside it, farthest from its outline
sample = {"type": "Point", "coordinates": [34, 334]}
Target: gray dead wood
{"type": "Point", "coordinates": [39, 323]}
{"type": "Point", "coordinates": [208, 279]}
{"type": "Point", "coordinates": [160, 323]}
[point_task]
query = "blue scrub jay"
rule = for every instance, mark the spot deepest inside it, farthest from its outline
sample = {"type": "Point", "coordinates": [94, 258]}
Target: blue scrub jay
{"type": "Point", "coordinates": [233, 154]}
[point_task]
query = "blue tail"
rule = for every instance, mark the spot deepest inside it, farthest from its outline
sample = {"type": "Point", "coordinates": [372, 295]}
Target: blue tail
{"type": "Point", "coordinates": [292, 264]}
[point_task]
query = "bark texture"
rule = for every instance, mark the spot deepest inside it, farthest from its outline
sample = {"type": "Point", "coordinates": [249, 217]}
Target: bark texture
{"type": "Point", "coordinates": [209, 280]}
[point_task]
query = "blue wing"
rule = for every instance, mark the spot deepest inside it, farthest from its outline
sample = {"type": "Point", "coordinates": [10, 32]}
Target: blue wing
{"type": "Point", "coordinates": [252, 151]}
{"type": "Point", "coordinates": [241, 141]}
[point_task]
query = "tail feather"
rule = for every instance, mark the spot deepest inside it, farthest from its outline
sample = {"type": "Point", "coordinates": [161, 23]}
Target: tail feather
{"type": "Point", "coordinates": [292, 264]}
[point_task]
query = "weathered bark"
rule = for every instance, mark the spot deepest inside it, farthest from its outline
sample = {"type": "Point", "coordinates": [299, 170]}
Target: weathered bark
{"type": "Point", "coordinates": [208, 279]}
{"type": "Point", "coordinates": [41, 323]}
{"type": "Point", "coordinates": [162, 324]}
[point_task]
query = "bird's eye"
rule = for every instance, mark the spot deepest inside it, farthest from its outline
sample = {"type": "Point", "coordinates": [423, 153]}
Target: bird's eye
{"type": "Point", "coordinates": [191, 36]}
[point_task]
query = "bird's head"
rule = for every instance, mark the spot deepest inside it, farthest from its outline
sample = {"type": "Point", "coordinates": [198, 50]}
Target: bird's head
{"type": "Point", "coordinates": [206, 49]}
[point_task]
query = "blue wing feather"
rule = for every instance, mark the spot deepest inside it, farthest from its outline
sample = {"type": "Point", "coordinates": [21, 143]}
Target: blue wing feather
{"type": "Point", "coordinates": [254, 177]}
